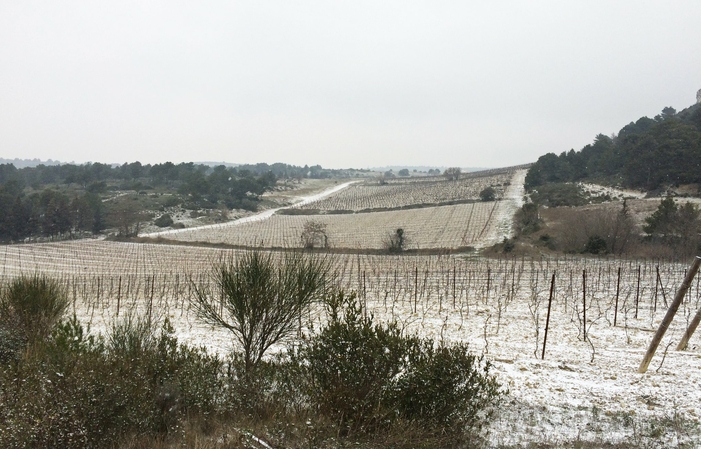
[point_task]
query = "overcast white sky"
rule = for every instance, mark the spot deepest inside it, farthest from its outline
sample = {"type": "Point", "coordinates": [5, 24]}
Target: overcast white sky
{"type": "Point", "coordinates": [337, 83]}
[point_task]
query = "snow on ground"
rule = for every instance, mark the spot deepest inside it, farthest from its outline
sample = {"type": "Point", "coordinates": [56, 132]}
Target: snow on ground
{"type": "Point", "coordinates": [584, 391]}
{"type": "Point", "coordinates": [599, 190]}
{"type": "Point", "coordinates": [504, 213]}
{"type": "Point", "coordinates": [257, 217]}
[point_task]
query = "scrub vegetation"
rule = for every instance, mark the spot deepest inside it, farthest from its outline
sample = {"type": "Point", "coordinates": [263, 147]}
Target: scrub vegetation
{"type": "Point", "coordinates": [351, 382]}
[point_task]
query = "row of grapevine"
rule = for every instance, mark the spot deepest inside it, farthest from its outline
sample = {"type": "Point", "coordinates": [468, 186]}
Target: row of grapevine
{"type": "Point", "coordinates": [426, 228]}
{"type": "Point", "coordinates": [412, 191]}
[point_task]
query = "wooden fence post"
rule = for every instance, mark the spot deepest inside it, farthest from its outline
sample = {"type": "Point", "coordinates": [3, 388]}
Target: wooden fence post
{"type": "Point", "coordinates": [637, 294]}
{"type": "Point", "coordinates": [669, 316]}
{"type": "Point", "coordinates": [618, 290]}
{"type": "Point", "coordinates": [547, 320]}
{"type": "Point", "coordinates": [584, 303]}
{"type": "Point", "coordinates": [690, 331]}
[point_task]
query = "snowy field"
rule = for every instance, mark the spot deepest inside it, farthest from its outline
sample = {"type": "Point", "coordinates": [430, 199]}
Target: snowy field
{"type": "Point", "coordinates": [477, 224]}
{"type": "Point", "coordinates": [586, 390]}
{"type": "Point", "coordinates": [583, 389]}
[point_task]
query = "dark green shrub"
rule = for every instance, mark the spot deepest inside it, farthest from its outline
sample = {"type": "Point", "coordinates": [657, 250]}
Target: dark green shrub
{"type": "Point", "coordinates": [366, 376]}
{"type": "Point", "coordinates": [351, 364]}
{"type": "Point", "coordinates": [163, 221]}
{"type": "Point", "coordinates": [528, 219]}
{"type": "Point", "coordinates": [508, 245]}
{"type": "Point", "coordinates": [559, 194]}
{"type": "Point", "coordinates": [488, 194]}
{"type": "Point", "coordinates": [445, 387]}
{"type": "Point", "coordinates": [396, 241]}
{"type": "Point", "coordinates": [595, 245]}
{"type": "Point", "coordinates": [80, 391]}
{"type": "Point", "coordinates": [547, 240]}
{"type": "Point", "coordinates": [30, 307]}
{"type": "Point", "coordinates": [272, 388]}
{"type": "Point", "coordinates": [11, 343]}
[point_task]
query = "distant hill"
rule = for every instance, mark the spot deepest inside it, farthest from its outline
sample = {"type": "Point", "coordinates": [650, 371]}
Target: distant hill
{"type": "Point", "coordinates": [422, 168]}
{"type": "Point", "coordinates": [217, 164]}
{"type": "Point", "coordinates": [23, 163]}
{"type": "Point", "coordinates": [649, 153]}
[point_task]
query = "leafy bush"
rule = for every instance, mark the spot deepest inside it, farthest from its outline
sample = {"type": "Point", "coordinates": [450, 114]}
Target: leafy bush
{"type": "Point", "coordinates": [444, 387]}
{"type": "Point", "coordinates": [163, 221]}
{"type": "Point", "coordinates": [488, 194]}
{"type": "Point", "coordinates": [508, 245]}
{"type": "Point", "coordinates": [351, 364]}
{"type": "Point", "coordinates": [366, 376]}
{"type": "Point", "coordinates": [559, 194]}
{"type": "Point", "coordinates": [29, 309]}
{"type": "Point", "coordinates": [80, 391]}
{"type": "Point", "coordinates": [528, 219]}
{"type": "Point", "coordinates": [595, 245]}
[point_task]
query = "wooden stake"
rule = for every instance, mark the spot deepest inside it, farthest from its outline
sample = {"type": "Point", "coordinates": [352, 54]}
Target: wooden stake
{"type": "Point", "coordinates": [584, 303]}
{"type": "Point", "coordinates": [618, 290]}
{"type": "Point", "coordinates": [547, 320]}
{"type": "Point", "coordinates": [637, 294]}
{"type": "Point", "coordinates": [690, 331]}
{"type": "Point", "coordinates": [454, 276]}
{"type": "Point", "coordinates": [119, 294]}
{"type": "Point", "coordinates": [416, 288]}
{"type": "Point", "coordinates": [489, 273]}
{"type": "Point", "coordinates": [657, 283]}
{"type": "Point", "coordinates": [669, 316]}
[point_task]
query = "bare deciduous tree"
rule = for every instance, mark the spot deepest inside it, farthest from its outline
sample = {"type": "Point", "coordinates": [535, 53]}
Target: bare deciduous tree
{"type": "Point", "coordinates": [314, 235]}
{"type": "Point", "coordinates": [396, 241]}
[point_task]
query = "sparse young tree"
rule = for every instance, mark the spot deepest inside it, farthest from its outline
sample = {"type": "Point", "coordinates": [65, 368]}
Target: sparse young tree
{"type": "Point", "coordinates": [452, 173]}
{"type": "Point", "coordinates": [127, 216]}
{"type": "Point", "coordinates": [314, 235]}
{"type": "Point", "coordinates": [261, 299]}
{"type": "Point", "coordinates": [675, 225]}
{"type": "Point", "coordinates": [396, 241]}
{"type": "Point", "coordinates": [662, 222]}
{"type": "Point", "coordinates": [622, 232]}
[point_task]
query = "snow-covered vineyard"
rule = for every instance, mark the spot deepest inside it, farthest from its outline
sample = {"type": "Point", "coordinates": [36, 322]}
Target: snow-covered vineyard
{"type": "Point", "coordinates": [586, 389]}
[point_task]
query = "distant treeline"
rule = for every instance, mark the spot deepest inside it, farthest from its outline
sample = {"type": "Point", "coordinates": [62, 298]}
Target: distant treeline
{"type": "Point", "coordinates": [67, 199]}
{"type": "Point", "coordinates": [157, 174]}
{"type": "Point", "coordinates": [646, 154]}
{"type": "Point", "coordinates": [47, 212]}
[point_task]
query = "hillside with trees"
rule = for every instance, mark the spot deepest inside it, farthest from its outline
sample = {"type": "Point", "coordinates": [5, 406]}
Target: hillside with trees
{"type": "Point", "coordinates": [647, 154]}
{"type": "Point", "coordinates": [68, 200]}
{"type": "Point", "coordinates": [576, 205]}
